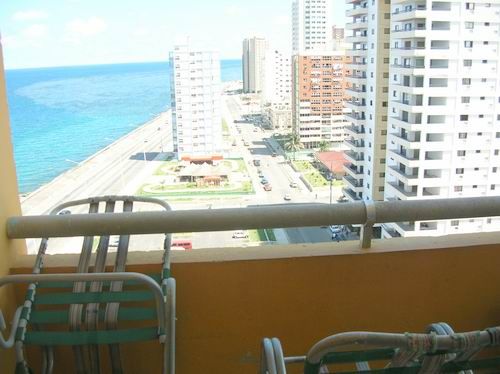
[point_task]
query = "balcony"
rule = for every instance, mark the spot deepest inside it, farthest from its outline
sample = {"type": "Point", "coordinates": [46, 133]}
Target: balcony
{"type": "Point", "coordinates": [356, 25]}
{"type": "Point", "coordinates": [354, 157]}
{"type": "Point", "coordinates": [355, 119]}
{"type": "Point", "coordinates": [354, 184]}
{"type": "Point", "coordinates": [356, 79]}
{"type": "Point", "coordinates": [409, 179]}
{"type": "Point", "coordinates": [355, 145]}
{"type": "Point", "coordinates": [402, 192]}
{"type": "Point", "coordinates": [356, 11]}
{"type": "Point", "coordinates": [353, 171]}
{"type": "Point", "coordinates": [354, 104]}
{"type": "Point", "coordinates": [351, 195]}
{"type": "Point", "coordinates": [229, 298]}
{"type": "Point", "coordinates": [355, 132]}
{"type": "Point", "coordinates": [418, 11]}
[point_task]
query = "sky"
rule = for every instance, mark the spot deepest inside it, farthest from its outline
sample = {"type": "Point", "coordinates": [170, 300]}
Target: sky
{"type": "Point", "coordinates": [44, 33]}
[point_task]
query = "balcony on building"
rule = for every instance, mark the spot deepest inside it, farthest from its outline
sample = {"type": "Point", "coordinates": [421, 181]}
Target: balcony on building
{"type": "Point", "coordinates": [354, 157]}
{"type": "Point", "coordinates": [354, 171]}
{"type": "Point", "coordinates": [409, 11]}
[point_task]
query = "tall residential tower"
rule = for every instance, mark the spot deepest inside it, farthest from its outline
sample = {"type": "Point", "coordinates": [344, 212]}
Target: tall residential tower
{"type": "Point", "coordinates": [444, 110]}
{"type": "Point", "coordinates": [311, 25]}
{"type": "Point", "coordinates": [254, 64]}
{"type": "Point", "coordinates": [367, 106]}
{"type": "Point", "coordinates": [196, 94]}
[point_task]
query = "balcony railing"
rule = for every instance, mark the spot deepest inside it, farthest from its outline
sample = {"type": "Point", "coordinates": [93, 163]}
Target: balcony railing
{"type": "Point", "coordinates": [366, 213]}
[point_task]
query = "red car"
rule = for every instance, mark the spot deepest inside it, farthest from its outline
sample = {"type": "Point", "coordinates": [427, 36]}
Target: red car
{"type": "Point", "coordinates": [268, 187]}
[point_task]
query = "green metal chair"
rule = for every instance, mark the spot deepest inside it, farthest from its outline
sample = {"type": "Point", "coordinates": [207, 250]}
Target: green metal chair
{"type": "Point", "coordinates": [438, 351]}
{"type": "Point", "coordinates": [88, 314]}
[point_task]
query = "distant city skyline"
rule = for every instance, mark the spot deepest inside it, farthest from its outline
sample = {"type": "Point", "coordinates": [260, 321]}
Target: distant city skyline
{"type": "Point", "coordinates": [46, 33]}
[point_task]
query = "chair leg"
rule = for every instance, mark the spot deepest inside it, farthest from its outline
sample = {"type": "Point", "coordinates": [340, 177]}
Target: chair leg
{"type": "Point", "coordinates": [169, 345]}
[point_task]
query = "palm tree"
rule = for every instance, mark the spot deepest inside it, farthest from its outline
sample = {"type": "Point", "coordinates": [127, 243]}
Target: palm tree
{"type": "Point", "coordinates": [324, 146]}
{"type": "Point", "coordinates": [293, 144]}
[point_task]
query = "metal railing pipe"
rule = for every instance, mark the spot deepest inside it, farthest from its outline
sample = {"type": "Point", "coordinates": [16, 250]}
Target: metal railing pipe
{"type": "Point", "coordinates": [275, 216]}
{"type": "Point", "coordinates": [437, 209]}
{"type": "Point", "coordinates": [271, 216]}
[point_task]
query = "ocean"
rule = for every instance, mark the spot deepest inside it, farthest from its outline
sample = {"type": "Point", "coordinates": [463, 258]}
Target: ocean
{"type": "Point", "coordinates": [61, 116]}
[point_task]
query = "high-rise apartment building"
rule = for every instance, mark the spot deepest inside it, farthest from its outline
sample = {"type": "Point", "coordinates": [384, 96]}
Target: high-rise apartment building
{"type": "Point", "coordinates": [254, 64]}
{"type": "Point", "coordinates": [311, 25]}
{"type": "Point", "coordinates": [318, 98]}
{"type": "Point", "coordinates": [368, 102]}
{"type": "Point", "coordinates": [278, 78]}
{"type": "Point", "coordinates": [196, 95]}
{"type": "Point", "coordinates": [444, 110]}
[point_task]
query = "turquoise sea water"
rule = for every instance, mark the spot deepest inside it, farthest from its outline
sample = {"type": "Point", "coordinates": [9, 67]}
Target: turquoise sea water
{"type": "Point", "coordinates": [69, 113]}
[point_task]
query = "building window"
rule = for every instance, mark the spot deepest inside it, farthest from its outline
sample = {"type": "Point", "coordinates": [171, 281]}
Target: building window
{"type": "Point", "coordinates": [454, 223]}
{"type": "Point", "coordinates": [460, 171]}
{"type": "Point", "coordinates": [467, 63]}
{"type": "Point", "coordinates": [466, 81]}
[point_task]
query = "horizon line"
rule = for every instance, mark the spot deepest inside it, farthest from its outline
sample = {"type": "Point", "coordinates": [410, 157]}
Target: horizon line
{"type": "Point", "coordinates": [102, 64]}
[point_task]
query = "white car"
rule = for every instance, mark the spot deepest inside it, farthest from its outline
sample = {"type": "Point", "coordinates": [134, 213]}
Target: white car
{"type": "Point", "coordinates": [287, 197]}
{"type": "Point", "coordinates": [336, 229]}
{"type": "Point", "coordinates": [240, 234]}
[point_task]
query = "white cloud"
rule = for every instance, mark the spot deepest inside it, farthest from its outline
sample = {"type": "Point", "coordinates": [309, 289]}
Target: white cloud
{"type": "Point", "coordinates": [36, 31]}
{"type": "Point", "coordinates": [29, 15]}
{"type": "Point", "coordinates": [86, 27]}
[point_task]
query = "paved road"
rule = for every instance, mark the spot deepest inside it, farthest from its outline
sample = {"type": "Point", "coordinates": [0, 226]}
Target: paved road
{"type": "Point", "coordinates": [122, 167]}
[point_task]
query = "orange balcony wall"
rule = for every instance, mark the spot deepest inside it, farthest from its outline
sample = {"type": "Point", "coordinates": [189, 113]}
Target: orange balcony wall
{"type": "Point", "coordinates": [229, 299]}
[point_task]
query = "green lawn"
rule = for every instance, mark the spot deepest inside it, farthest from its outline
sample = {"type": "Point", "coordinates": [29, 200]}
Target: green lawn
{"type": "Point", "coordinates": [245, 189]}
{"type": "Point", "coordinates": [303, 165]}
{"type": "Point", "coordinates": [261, 235]}
{"type": "Point", "coordinates": [225, 127]}
{"type": "Point", "coordinates": [170, 164]}
{"type": "Point", "coordinates": [315, 179]}
{"type": "Point", "coordinates": [310, 173]}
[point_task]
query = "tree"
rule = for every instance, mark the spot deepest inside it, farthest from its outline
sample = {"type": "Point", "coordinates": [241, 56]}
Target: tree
{"type": "Point", "coordinates": [293, 144]}
{"type": "Point", "coordinates": [324, 146]}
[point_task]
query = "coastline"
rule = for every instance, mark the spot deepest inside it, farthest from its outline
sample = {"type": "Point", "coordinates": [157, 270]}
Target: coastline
{"type": "Point", "coordinates": [31, 202]}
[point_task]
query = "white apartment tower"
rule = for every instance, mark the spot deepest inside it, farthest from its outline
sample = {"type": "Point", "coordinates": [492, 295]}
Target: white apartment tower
{"type": "Point", "coordinates": [196, 94]}
{"type": "Point", "coordinates": [278, 78]}
{"type": "Point", "coordinates": [369, 33]}
{"type": "Point", "coordinates": [311, 25]}
{"type": "Point", "coordinates": [444, 110]}
{"type": "Point", "coordinates": [254, 64]}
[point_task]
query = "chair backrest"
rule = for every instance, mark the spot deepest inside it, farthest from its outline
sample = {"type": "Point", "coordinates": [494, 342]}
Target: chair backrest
{"type": "Point", "coordinates": [401, 353]}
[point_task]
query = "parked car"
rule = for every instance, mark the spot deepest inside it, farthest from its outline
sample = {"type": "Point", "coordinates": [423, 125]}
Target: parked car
{"type": "Point", "coordinates": [268, 187]}
{"type": "Point", "coordinates": [240, 234]}
{"type": "Point", "coordinates": [294, 185]}
{"type": "Point", "coordinates": [287, 197]}
{"type": "Point", "coordinates": [336, 229]}
{"type": "Point", "coordinates": [264, 181]}
{"type": "Point", "coordinates": [64, 212]}
{"type": "Point", "coordinates": [256, 162]}
{"type": "Point", "coordinates": [274, 154]}
{"type": "Point", "coordinates": [246, 144]}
